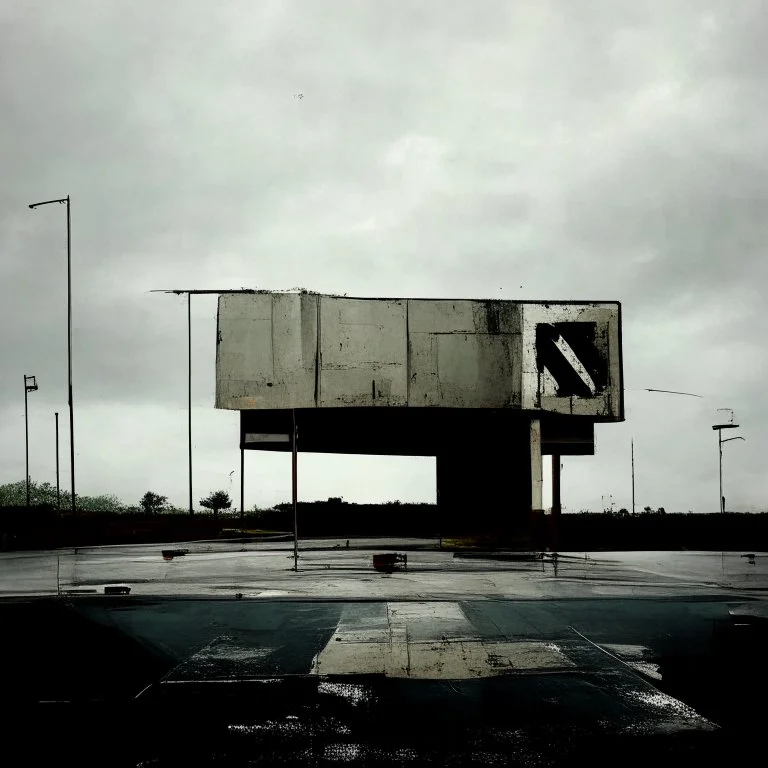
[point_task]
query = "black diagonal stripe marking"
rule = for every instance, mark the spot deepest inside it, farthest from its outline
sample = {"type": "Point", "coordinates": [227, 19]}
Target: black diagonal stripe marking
{"type": "Point", "coordinates": [581, 338]}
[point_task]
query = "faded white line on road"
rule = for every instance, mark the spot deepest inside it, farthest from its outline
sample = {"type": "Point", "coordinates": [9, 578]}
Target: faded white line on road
{"type": "Point", "coordinates": [426, 640]}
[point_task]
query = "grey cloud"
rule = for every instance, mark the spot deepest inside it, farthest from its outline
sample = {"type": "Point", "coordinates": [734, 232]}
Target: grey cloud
{"type": "Point", "coordinates": [601, 150]}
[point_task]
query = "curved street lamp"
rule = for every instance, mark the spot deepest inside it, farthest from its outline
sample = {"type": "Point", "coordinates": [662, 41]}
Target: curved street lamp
{"type": "Point", "coordinates": [727, 440]}
{"type": "Point", "coordinates": [719, 429]}
{"type": "Point", "coordinates": [64, 200]}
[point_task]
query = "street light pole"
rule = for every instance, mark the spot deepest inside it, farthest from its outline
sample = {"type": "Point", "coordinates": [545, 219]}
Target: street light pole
{"type": "Point", "coordinates": [242, 482]}
{"type": "Point", "coordinates": [26, 439]}
{"type": "Point", "coordinates": [181, 292]}
{"type": "Point", "coordinates": [69, 343]}
{"type": "Point", "coordinates": [30, 385]}
{"type": "Point", "coordinates": [727, 440]}
{"type": "Point", "coordinates": [633, 475]}
{"type": "Point", "coordinates": [189, 395]}
{"type": "Point", "coordinates": [294, 494]}
{"type": "Point", "coordinates": [719, 428]}
{"type": "Point", "coordinates": [720, 467]}
{"type": "Point", "coordinates": [58, 487]}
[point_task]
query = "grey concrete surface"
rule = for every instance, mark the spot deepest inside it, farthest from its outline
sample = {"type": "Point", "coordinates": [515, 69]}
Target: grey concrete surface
{"type": "Point", "coordinates": [327, 569]}
{"type": "Point", "coordinates": [227, 651]}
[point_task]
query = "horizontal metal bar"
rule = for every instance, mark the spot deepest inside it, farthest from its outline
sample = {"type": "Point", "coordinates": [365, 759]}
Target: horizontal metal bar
{"type": "Point", "coordinates": [264, 437]}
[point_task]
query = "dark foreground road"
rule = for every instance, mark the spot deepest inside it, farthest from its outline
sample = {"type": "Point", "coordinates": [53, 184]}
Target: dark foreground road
{"type": "Point", "coordinates": [632, 659]}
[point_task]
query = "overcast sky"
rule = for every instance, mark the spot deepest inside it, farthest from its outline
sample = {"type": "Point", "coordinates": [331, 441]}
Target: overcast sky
{"type": "Point", "coordinates": [600, 149]}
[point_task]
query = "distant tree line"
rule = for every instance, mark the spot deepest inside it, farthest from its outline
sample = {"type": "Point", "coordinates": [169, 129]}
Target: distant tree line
{"type": "Point", "coordinates": [624, 512]}
{"type": "Point", "coordinates": [106, 521]}
{"type": "Point", "coordinates": [150, 504]}
{"type": "Point", "coordinates": [44, 494]}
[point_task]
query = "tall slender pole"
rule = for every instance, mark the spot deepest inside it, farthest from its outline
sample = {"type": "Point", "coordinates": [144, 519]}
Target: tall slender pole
{"type": "Point", "coordinates": [58, 487]}
{"type": "Point", "coordinates": [189, 393]}
{"type": "Point", "coordinates": [633, 475]}
{"type": "Point", "coordinates": [719, 429]}
{"type": "Point", "coordinates": [556, 501]}
{"type": "Point", "coordinates": [69, 341]}
{"type": "Point", "coordinates": [26, 439]}
{"type": "Point", "coordinates": [721, 501]}
{"type": "Point", "coordinates": [69, 358]}
{"type": "Point", "coordinates": [242, 482]}
{"type": "Point", "coordinates": [294, 490]}
{"type": "Point", "coordinates": [720, 442]}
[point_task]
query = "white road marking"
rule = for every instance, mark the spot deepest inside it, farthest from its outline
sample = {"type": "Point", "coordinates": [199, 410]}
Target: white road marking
{"type": "Point", "coordinates": [637, 657]}
{"type": "Point", "coordinates": [425, 640]}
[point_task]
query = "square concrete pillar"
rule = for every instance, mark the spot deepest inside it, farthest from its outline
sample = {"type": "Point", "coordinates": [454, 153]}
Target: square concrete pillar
{"type": "Point", "coordinates": [484, 479]}
{"type": "Point", "coordinates": [537, 479]}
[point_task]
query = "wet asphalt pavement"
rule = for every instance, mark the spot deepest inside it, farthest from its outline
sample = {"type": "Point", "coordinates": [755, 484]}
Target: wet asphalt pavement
{"type": "Point", "coordinates": [328, 569]}
{"type": "Point", "coordinates": [226, 656]}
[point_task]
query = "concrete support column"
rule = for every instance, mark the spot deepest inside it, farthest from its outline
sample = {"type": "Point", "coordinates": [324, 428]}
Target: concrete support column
{"type": "Point", "coordinates": [557, 507]}
{"type": "Point", "coordinates": [484, 482]}
{"type": "Point", "coordinates": [537, 480]}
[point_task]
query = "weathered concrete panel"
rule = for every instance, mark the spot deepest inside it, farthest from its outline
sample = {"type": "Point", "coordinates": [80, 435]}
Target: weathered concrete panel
{"type": "Point", "coordinates": [363, 352]}
{"type": "Point", "coordinates": [497, 317]}
{"type": "Point", "coordinates": [463, 316]}
{"type": "Point", "coordinates": [464, 354]}
{"type": "Point", "coordinates": [441, 316]}
{"type": "Point", "coordinates": [463, 370]}
{"type": "Point", "coordinates": [266, 353]}
{"type": "Point", "coordinates": [300, 351]}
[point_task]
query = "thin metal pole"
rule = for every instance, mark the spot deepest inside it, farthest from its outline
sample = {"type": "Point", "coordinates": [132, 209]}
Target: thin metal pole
{"type": "Point", "coordinates": [26, 439]}
{"type": "Point", "coordinates": [294, 490]}
{"type": "Point", "coordinates": [69, 341]}
{"type": "Point", "coordinates": [556, 507]}
{"type": "Point", "coordinates": [720, 453]}
{"type": "Point", "coordinates": [556, 500]}
{"type": "Point", "coordinates": [189, 393]}
{"type": "Point", "coordinates": [58, 487]}
{"type": "Point", "coordinates": [242, 482]}
{"type": "Point", "coordinates": [633, 476]}
{"type": "Point", "coordinates": [69, 358]}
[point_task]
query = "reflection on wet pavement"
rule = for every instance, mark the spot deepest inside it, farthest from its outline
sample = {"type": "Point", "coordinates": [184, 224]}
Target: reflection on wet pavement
{"type": "Point", "coordinates": [456, 661]}
{"type": "Point", "coordinates": [327, 569]}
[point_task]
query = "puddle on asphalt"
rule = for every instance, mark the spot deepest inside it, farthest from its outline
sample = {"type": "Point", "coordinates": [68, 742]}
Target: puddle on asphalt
{"type": "Point", "coordinates": [292, 726]}
{"type": "Point", "coordinates": [222, 658]}
{"type": "Point", "coordinates": [353, 693]}
{"type": "Point", "coordinates": [638, 657]}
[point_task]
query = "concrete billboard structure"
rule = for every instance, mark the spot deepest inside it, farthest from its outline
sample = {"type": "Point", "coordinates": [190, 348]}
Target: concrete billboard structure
{"type": "Point", "coordinates": [485, 386]}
